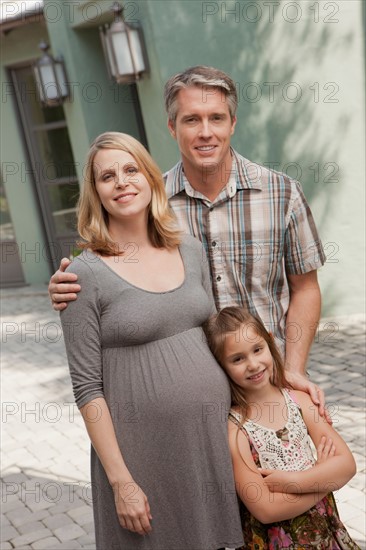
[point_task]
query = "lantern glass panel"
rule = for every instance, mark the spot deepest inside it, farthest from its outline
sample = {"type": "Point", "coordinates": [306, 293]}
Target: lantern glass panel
{"type": "Point", "coordinates": [51, 81]}
{"type": "Point", "coordinates": [48, 78]}
{"type": "Point", "coordinates": [109, 56]}
{"type": "Point", "coordinates": [39, 85]}
{"type": "Point", "coordinates": [122, 52]}
{"type": "Point", "coordinates": [136, 50]}
{"type": "Point", "coordinates": [61, 78]}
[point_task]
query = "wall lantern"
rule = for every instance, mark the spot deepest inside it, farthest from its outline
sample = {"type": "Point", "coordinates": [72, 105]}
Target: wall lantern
{"type": "Point", "coordinates": [51, 80]}
{"type": "Point", "coordinates": [124, 49]}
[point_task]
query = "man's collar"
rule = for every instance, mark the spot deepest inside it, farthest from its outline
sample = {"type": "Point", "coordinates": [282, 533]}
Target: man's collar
{"type": "Point", "coordinates": [174, 180]}
{"type": "Point", "coordinates": [247, 175]}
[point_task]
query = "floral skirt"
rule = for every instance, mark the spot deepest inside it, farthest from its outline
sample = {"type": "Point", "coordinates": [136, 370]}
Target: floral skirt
{"type": "Point", "coordinates": [319, 528]}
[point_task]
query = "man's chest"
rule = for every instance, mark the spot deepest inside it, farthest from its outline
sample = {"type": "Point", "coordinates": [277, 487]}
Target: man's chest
{"type": "Point", "coordinates": [234, 230]}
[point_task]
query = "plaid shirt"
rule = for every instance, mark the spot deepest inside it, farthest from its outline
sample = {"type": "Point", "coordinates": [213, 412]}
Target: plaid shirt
{"type": "Point", "coordinates": [256, 231]}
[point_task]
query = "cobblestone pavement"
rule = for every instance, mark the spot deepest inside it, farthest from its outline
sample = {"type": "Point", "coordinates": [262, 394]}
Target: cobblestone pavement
{"type": "Point", "coordinates": [46, 500]}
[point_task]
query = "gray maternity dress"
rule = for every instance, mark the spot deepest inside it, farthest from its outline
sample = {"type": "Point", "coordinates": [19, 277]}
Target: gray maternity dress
{"type": "Point", "coordinates": [146, 354]}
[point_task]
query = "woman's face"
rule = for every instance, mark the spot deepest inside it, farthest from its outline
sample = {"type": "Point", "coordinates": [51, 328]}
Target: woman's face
{"type": "Point", "coordinates": [122, 188]}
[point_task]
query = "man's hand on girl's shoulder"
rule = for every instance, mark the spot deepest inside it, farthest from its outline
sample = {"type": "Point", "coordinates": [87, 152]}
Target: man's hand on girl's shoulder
{"type": "Point", "coordinates": [300, 382]}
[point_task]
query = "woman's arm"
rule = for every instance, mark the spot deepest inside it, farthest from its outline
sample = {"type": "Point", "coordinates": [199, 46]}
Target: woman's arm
{"type": "Point", "coordinates": [131, 502]}
{"type": "Point", "coordinates": [265, 505]}
{"type": "Point", "coordinates": [329, 475]}
{"type": "Point", "coordinates": [82, 335]}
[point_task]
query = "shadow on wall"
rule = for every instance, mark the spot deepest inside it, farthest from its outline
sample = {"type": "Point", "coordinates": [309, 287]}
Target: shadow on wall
{"type": "Point", "coordinates": [294, 115]}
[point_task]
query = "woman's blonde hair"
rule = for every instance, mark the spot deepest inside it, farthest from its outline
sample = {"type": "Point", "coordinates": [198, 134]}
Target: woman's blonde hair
{"type": "Point", "coordinates": [229, 320]}
{"type": "Point", "coordinates": [92, 216]}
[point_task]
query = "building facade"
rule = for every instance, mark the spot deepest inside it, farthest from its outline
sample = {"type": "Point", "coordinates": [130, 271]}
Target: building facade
{"type": "Point", "coordinates": [299, 69]}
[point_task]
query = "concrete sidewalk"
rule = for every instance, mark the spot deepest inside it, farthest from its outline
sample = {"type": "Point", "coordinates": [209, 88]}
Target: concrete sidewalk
{"type": "Point", "coordinates": [46, 500]}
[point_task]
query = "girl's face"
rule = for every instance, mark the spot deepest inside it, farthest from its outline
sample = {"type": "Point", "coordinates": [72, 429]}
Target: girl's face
{"type": "Point", "coordinates": [122, 188]}
{"type": "Point", "coordinates": [247, 359]}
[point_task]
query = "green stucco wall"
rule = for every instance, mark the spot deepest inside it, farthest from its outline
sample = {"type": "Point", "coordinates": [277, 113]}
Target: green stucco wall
{"type": "Point", "coordinates": [96, 105]}
{"type": "Point", "coordinates": [300, 74]}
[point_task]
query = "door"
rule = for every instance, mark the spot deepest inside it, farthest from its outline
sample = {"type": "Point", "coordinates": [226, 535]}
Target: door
{"type": "Point", "coordinates": [51, 165]}
{"type": "Point", "coordinates": [11, 273]}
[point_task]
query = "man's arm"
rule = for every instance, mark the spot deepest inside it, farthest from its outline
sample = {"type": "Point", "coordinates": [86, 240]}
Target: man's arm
{"type": "Point", "coordinates": [302, 319]}
{"type": "Point", "coordinates": [63, 287]}
{"type": "Point", "coordinates": [301, 324]}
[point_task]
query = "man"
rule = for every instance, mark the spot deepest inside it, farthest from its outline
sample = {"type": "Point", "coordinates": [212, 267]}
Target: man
{"type": "Point", "coordinates": [258, 231]}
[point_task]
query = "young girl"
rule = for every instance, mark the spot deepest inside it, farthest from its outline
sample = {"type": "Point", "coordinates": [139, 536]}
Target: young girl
{"type": "Point", "coordinates": [276, 476]}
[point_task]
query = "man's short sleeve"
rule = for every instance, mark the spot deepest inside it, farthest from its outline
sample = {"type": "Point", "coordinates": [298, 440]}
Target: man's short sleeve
{"type": "Point", "coordinates": [303, 248]}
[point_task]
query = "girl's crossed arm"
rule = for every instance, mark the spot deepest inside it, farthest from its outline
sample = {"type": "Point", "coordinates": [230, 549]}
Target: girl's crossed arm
{"type": "Point", "coordinates": [329, 475]}
{"type": "Point", "coordinates": [253, 491]}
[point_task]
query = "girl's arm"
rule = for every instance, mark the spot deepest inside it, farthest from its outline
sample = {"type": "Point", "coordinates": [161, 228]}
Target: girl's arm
{"type": "Point", "coordinates": [266, 506]}
{"type": "Point", "coordinates": [131, 502]}
{"type": "Point", "coordinates": [329, 475]}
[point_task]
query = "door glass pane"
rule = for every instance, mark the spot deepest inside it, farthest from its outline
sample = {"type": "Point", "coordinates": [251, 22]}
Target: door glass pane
{"type": "Point", "coordinates": [63, 206]}
{"type": "Point", "coordinates": [55, 154]}
{"type": "Point", "coordinates": [6, 226]}
{"type": "Point", "coordinates": [11, 272]}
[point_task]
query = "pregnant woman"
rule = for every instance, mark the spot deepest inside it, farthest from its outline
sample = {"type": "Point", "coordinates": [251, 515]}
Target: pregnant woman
{"type": "Point", "coordinates": [153, 398]}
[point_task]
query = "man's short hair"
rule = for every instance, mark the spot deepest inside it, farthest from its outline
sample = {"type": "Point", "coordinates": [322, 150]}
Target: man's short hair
{"type": "Point", "coordinates": [205, 77]}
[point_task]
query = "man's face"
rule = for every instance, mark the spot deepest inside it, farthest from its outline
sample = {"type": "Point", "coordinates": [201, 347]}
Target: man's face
{"type": "Point", "coordinates": [203, 129]}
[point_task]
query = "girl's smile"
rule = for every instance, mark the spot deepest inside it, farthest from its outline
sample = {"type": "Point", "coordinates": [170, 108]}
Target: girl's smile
{"type": "Point", "coordinates": [258, 376]}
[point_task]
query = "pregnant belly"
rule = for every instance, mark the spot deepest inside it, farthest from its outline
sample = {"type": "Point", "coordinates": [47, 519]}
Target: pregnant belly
{"type": "Point", "coordinates": [177, 376]}
{"type": "Point", "coordinates": [169, 402]}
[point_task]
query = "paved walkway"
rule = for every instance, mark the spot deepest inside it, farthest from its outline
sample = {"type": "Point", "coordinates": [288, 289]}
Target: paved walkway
{"type": "Point", "coordinates": [46, 501]}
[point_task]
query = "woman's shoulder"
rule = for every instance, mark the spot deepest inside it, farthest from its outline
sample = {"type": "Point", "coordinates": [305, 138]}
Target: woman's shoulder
{"type": "Point", "coordinates": [193, 246]}
{"type": "Point", "coordinates": [190, 241]}
{"type": "Point", "coordinates": [85, 264]}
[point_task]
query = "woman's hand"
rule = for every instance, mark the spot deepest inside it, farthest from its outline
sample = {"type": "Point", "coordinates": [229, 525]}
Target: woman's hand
{"type": "Point", "coordinates": [132, 507]}
{"type": "Point", "coordinates": [326, 449]}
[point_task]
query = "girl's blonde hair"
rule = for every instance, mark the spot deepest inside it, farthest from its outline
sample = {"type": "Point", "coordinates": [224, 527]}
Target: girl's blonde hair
{"type": "Point", "coordinates": [231, 319]}
{"type": "Point", "coordinates": [92, 216]}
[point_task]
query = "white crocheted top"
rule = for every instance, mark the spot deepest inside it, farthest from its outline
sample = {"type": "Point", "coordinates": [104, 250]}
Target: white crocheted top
{"type": "Point", "coordinates": [287, 449]}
